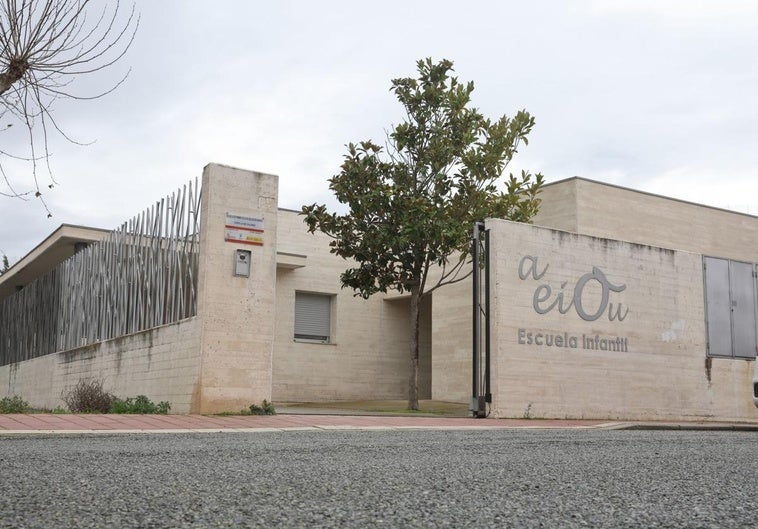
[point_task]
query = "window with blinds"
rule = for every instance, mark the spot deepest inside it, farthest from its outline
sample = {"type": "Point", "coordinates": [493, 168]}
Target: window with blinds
{"type": "Point", "coordinates": [313, 317]}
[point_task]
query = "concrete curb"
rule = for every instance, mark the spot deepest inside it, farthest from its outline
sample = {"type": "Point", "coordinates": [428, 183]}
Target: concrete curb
{"type": "Point", "coordinates": [694, 427]}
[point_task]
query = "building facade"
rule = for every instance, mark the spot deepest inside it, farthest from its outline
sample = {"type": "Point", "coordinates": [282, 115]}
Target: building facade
{"type": "Point", "coordinates": [613, 304]}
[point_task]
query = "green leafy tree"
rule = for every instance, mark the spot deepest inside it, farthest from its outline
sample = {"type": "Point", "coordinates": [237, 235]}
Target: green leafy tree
{"type": "Point", "coordinates": [412, 205]}
{"type": "Point", "coordinates": [4, 265]}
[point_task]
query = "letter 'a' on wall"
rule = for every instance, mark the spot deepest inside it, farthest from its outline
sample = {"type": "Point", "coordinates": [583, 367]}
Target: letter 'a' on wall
{"type": "Point", "coordinates": [730, 307]}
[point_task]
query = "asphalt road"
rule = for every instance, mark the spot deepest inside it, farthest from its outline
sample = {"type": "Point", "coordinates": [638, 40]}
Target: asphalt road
{"type": "Point", "coordinates": [501, 478]}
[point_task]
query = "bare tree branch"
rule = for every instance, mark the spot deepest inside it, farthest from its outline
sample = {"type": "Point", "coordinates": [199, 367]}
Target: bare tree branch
{"type": "Point", "coordinates": [45, 46]}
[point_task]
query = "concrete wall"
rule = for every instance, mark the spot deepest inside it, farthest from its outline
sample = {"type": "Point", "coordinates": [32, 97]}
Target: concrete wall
{"type": "Point", "coordinates": [369, 354]}
{"type": "Point", "coordinates": [603, 210]}
{"type": "Point", "coordinates": [451, 343]}
{"type": "Point", "coordinates": [558, 208]}
{"type": "Point", "coordinates": [236, 314]}
{"type": "Point", "coordinates": [648, 364]}
{"type": "Point", "coordinates": [583, 206]}
{"type": "Point", "coordinates": [162, 363]}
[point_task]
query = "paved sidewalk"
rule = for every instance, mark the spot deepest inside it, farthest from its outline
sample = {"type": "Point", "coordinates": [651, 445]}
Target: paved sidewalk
{"type": "Point", "coordinates": [111, 423]}
{"type": "Point", "coordinates": [40, 423]}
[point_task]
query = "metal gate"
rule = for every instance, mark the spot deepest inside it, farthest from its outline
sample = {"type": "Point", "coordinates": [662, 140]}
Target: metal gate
{"type": "Point", "coordinates": [480, 369]}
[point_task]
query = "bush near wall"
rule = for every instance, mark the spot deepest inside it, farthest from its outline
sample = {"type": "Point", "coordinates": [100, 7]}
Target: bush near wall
{"type": "Point", "coordinates": [89, 396]}
{"type": "Point", "coordinates": [139, 404]}
{"type": "Point", "coordinates": [266, 409]}
{"type": "Point", "coordinates": [13, 404]}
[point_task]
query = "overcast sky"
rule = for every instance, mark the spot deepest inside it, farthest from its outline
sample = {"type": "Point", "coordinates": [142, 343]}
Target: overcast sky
{"type": "Point", "coordinates": [657, 95]}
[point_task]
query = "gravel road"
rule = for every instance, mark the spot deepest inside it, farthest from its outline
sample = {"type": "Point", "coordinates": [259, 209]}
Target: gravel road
{"type": "Point", "coordinates": [504, 478]}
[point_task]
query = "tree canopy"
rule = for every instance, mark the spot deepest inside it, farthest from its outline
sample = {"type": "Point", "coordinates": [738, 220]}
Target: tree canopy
{"type": "Point", "coordinates": [413, 203]}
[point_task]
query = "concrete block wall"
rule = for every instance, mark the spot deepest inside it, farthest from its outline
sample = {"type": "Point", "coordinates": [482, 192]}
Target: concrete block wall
{"type": "Point", "coordinates": [558, 206]}
{"type": "Point", "coordinates": [603, 210]}
{"type": "Point", "coordinates": [652, 364]}
{"type": "Point", "coordinates": [451, 342]}
{"type": "Point", "coordinates": [162, 363]}
{"type": "Point", "coordinates": [236, 313]}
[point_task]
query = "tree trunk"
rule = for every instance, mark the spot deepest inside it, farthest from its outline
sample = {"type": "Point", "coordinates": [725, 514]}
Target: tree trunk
{"type": "Point", "coordinates": [414, 344]}
{"type": "Point", "coordinates": [5, 83]}
{"type": "Point", "coordinates": [15, 71]}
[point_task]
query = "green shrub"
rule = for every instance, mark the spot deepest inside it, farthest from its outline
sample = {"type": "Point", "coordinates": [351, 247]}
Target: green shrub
{"type": "Point", "coordinates": [14, 404]}
{"type": "Point", "coordinates": [88, 396]}
{"type": "Point", "coordinates": [139, 404]}
{"type": "Point", "coordinates": [266, 409]}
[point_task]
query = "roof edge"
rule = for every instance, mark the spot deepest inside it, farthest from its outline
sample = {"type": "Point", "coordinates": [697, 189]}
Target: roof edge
{"type": "Point", "coordinates": [53, 235]}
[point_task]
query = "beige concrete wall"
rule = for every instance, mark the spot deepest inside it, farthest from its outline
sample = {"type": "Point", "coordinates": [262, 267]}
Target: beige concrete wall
{"type": "Point", "coordinates": [451, 343]}
{"type": "Point", "coordinates": [236, 314]}
{"type": "Point", "coordinates": [614, 212]}
{"type": "Point", "coordinates": [162, 363]}
{"type": "Point", "coordinates": [602, 210]}
{"type": "Point", "coordinates": [369, 354]}
{"type": "Point", "coordinates": [660, 371]}
{"type": "Point", "coordinates": [558, 207]}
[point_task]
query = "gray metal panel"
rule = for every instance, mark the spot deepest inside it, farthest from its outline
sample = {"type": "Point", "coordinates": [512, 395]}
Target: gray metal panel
{"type": "Point", "coordinates": [743, 309]}
{"type": "Point", "coordinates": [718, 306]}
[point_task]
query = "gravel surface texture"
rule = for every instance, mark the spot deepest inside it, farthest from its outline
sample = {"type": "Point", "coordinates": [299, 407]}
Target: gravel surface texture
{"type": "Point", "coordinates": [503, 478]}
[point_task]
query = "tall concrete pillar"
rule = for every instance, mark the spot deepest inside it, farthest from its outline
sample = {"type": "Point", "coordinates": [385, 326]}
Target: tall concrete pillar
{"type": "Point", "coordinates": [236, 312]}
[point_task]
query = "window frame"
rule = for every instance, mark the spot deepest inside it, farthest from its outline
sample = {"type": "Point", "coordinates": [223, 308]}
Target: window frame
{"type": "Point", "coordinates": [304, 337]}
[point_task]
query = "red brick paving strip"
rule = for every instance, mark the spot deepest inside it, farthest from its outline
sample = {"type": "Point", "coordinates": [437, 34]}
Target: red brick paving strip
{"type": "Point", "coordinates": [95, 422]}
